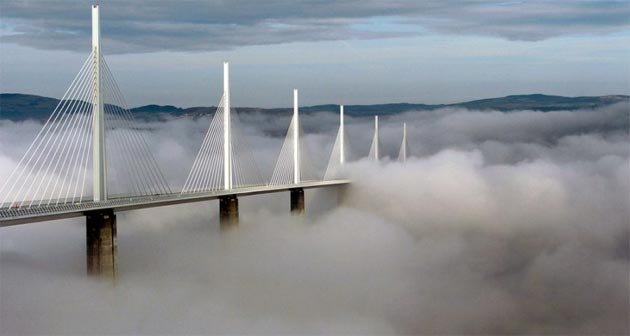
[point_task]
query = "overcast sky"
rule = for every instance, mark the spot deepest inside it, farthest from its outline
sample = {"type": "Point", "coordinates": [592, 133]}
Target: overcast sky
{"type": "Point", "coordinates": [353, 52]}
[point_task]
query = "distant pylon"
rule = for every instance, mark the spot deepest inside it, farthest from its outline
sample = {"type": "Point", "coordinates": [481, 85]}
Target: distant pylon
{"type": "Point", "coordinates": [402, 156]}
{"type": "Point", "coordinates": [99, 167]}
{"type": "Point", "coordinates": [338, 154]}
{"type": "Point", "coordinates": [374, 150]}
{"type": "Point", "coordinates": [342, 153]}
{"type": "Point", "coordinates": [223, 161]}
{"type": "Point", "coordinates": [293, 165]}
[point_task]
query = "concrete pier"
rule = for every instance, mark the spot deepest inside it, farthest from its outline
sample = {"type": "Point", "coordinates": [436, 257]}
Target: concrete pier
{"type": "Point", "coordinates": [228, 211]}
{"type": "Point", "coordinates": [297, 201]}
{"type": "Point", "coordinates": [101, 243]}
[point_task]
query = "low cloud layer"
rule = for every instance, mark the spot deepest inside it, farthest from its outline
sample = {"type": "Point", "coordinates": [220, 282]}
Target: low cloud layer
{"type": "Point", "coordinates": [500, 223]}
{"type": "Point", "coordinates": [145, 26]}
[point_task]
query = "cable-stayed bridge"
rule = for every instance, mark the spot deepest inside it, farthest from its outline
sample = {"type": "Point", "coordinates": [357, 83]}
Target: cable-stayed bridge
{"type": "Point", "coordinates": [53, 179]}
{"type": "Point", "coordinates": [90, 159]}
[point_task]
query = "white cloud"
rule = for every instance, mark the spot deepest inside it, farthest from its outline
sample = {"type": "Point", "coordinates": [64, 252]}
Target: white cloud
{"type": "Point", "coordinates": [501, 223]}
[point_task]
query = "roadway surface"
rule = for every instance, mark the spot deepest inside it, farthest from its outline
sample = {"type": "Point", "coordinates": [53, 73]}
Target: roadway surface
{"type": "Point", "coordinates": [25, 215]}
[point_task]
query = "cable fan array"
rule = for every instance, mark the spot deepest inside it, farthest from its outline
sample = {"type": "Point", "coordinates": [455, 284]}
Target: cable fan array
{"type": "Point", "coordinates": [56, 167]}
{"type": "Point", "coordinates": [207, 173]}
{"type": "Point", "coordinates": [334, 169]}
{"type": "Point", "coordinates": [284, 170]}
{"type": "Point", "coordinates": [131, 167]}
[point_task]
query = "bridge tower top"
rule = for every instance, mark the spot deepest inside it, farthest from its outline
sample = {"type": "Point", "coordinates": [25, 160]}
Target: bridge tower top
{"type": "Point", "coordinates": [296, 140]}
{"type": "Point", "coordinates": [99, 191]}
{"type": "Point", "coordinates": [227, 130]}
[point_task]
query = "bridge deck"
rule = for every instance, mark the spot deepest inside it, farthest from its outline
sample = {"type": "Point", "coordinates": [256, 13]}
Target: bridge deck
{"type": "Point", "coordinates": [24, 215]}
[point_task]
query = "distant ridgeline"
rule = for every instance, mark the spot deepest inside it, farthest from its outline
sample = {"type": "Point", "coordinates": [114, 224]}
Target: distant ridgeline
{"type": "Point", "coordinates": [19, 107]}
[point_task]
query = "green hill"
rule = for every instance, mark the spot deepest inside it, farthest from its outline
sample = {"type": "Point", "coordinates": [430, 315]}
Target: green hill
{"type": "Point", "coordinates": [19, 107]}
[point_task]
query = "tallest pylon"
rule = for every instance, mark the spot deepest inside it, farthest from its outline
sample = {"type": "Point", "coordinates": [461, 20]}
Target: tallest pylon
{"type": "Point", "coordinates": [227, 129]}
{"type": "Point", "coordinates": [297, 170]}
{"type": "Point", "coordinates": [98, 127]}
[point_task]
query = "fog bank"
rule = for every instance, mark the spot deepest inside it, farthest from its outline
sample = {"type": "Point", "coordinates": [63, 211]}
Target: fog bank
{"type": "Point", "coordinates": [500, 223]}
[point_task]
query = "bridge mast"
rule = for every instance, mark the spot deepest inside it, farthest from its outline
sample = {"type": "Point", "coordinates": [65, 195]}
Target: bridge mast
{"type": "Point", "coordinates": [404, 143]}
{"type": "Point", "coordinates": [376, 137]}
{"type": "Point", "coordinates": [297, 194]}
{"type": "Point", "coordinates": [227, 133]}
{"type": "Point", "coordinates": [342, 155]}
{"type": "Point", "coordinates": [100, 224]}
{"type": "Point", "coordinates": [98, 128]}
{"type": "Point", "coordinates": [296, 139]}
{"type": "Point", "coordinates": [228, 205]}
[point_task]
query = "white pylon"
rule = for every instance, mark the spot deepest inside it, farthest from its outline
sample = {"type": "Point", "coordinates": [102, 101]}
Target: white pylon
{"type": "Point", "coordinates": [296, 139]}
{"type": "Point", "coordinates": [99, 167]}
{"type": "Point", "coordinates": [227, 131]}
{"type": "Point", "coordinates": [375, 140]}
{"type": "Point", "coordinates": [342, 154]}
{"type": "Point", "coordinates": [402, 156]}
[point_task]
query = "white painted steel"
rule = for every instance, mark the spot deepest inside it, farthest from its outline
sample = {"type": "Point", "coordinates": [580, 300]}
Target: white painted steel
{"type": "Point", "coordinates": [296, 139]}
{"type": "Point", "coordinates": [402, 156]}
{"type": "Point", "coordinates": [99, 179]}
{"type": "Point", "coordinates": [374, 150]}
{"type": "Point", "coordinates": [227, 133]}
{"type": "Point", "coordinates": [342, 153]}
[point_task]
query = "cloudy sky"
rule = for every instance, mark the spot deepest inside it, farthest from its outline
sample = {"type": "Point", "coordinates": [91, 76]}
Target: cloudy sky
{"type": "Point", "coordinates": [355, 52]}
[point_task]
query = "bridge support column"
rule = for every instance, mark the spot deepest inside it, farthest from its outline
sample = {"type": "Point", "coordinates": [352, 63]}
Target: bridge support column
{"type": "Point", "coordinates": [101, 243]}
{"type": "Point", "coordinates": [297, 201]}
{"type": "Point", "coordinates": [228, 211]}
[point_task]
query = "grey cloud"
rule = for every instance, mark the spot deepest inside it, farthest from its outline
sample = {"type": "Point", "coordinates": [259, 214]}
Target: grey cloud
{"type": "Point", "coordinates": [145, 26]}
{"type": "Point", "coordinates": [530, 20]}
